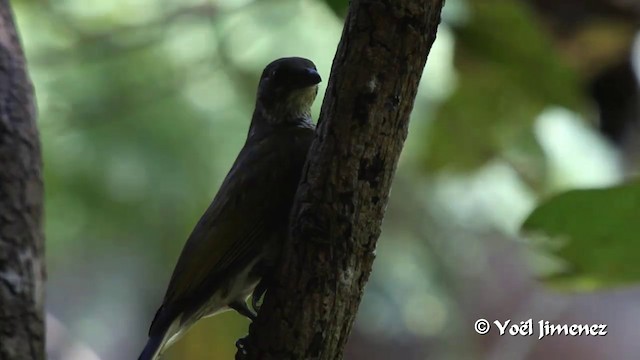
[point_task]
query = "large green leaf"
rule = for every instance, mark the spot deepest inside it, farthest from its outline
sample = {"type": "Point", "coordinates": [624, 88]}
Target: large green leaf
{"type": "Point", "coordinates": [596, 233]}
{"type": "Point", "coordinates": [501, 55]}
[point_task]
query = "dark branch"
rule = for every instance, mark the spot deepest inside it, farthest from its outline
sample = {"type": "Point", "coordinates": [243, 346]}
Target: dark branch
{"type": "Point", "coordinates": [21, 238]}
{"type": "Point", "coordinates": [308, 313]}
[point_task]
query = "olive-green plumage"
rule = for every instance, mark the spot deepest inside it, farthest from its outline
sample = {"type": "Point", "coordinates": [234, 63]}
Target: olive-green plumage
{"type": "Point", "coordinates": [238, 239]}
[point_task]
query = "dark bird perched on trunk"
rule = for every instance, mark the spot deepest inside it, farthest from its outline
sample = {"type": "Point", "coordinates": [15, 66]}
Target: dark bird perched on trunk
{"type": "Point", "coordinates": [238, 239]}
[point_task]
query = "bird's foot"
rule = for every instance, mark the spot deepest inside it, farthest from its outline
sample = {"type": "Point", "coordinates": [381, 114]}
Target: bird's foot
{"type": "Point", "coordinates": [242, 346]}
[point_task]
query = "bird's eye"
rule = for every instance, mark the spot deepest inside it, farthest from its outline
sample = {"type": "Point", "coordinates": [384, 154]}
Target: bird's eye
{"type": "Point", "coordinates": [273, 73]}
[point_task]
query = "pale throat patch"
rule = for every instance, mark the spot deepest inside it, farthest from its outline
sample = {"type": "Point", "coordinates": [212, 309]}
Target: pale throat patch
{"type": "Point", "coordinates": [297, 106]}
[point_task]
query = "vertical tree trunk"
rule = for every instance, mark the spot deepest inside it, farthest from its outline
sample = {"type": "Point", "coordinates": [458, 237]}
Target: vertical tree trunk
{"type": "Point", "coordinates": [309, 312]}
{"type": "Point", "coordinates": [21, 238]}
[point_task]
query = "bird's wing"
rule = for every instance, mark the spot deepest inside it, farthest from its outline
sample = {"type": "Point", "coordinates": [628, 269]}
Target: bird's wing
{"type": "Point", "coordinates": [254, 198]}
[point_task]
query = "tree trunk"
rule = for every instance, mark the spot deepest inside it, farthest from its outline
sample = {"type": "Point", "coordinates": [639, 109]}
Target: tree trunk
{"type": "Point", "coordinates": [21, 238]}
{"type": "Point", "coordinates": [309, 311]}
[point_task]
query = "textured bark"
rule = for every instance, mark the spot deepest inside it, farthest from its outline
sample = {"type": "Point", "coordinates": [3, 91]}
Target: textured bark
{"type": "Point", "coordinates": [21, 238]}
{"type": "Point", "coordinates": [309, 311]}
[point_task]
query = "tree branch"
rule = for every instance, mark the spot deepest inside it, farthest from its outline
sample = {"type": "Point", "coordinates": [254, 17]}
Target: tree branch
{"type": "Point", "coordinates": [308, 313]}
{"type": "Point", "coordinates": [21, 238]}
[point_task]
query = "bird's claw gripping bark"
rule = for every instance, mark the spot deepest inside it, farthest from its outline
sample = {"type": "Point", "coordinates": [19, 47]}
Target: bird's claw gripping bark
{"type": "Point", "coordinates": [241, 345]}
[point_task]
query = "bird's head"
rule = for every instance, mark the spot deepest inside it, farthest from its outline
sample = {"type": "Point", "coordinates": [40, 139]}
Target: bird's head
{"type": "Point", "coordinates": [287, 89]}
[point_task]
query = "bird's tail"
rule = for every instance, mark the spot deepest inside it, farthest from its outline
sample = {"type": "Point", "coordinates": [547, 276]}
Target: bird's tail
{"type": "Point", "coordinates": [152, 349]}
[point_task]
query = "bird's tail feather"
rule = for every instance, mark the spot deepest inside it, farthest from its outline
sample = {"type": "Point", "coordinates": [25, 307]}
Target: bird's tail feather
{"type": "Point", "coordinates": [152, 349]}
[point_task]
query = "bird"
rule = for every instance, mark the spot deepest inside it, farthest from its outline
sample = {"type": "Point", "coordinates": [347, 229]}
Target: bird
{"type": "Point", "coordinates": [235, 245]}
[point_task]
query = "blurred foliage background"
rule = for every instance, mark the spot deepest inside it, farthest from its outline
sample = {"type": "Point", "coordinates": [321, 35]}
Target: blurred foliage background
{"type": "Point", "coordinates": [144, 104]}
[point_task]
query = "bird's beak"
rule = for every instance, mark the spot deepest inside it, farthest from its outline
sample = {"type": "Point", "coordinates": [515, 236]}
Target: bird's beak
{"type": "Point", "coordinates": [310, 78]}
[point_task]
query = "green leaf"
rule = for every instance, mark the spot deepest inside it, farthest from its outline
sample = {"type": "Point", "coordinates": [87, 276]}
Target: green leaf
{"type": "Point", "coordinates": [596, 233]}
{"type": "Point", "coordinates": [500, 89]}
